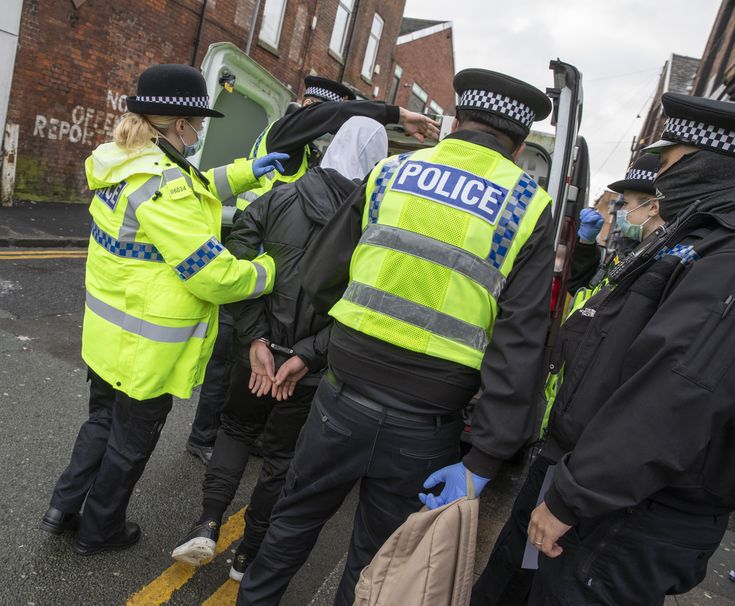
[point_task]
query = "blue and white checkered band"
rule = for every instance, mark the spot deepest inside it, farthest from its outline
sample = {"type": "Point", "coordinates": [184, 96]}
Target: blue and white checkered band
{"type": "Point", "coordinates": [499, 104]}
{"type": "Point", "coordinates": [322, 93]}
{"type": "Point", "coordinates": [699, 133]}
{"type": "Point", "coordinates": [636, 174]}
{"type": "Point", "coordinates": [202, 102]}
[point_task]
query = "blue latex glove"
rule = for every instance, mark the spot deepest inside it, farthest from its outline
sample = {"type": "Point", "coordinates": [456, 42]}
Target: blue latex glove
{"type": "Point", "coordinates": [268, 163]}
{"type": "Point", "coordinates": [455, 485]}
{"type": "Point", "coordinates": [590, 224]}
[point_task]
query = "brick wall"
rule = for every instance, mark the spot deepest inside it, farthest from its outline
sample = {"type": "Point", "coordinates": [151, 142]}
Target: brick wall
{"type": "Point", "coordinates": [75, 66]}
{"type": "Point", "coordinates": [428, 62]}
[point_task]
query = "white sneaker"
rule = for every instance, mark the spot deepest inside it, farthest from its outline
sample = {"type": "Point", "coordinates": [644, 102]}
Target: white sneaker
{"type": "Point", "coordinates": [198, 546]}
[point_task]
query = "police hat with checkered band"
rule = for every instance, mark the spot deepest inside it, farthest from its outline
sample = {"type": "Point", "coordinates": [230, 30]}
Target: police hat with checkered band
{"type": "Point", "coordinates": [640, 175]}
{"type": "Point", "coordinates": [326, 89]}
{"type": "Point", "coordinates": [483, 90]}
{"type": "Point", "coordinates": [703, 123]}
{"type": "Point", "coordinates": [172, 90]}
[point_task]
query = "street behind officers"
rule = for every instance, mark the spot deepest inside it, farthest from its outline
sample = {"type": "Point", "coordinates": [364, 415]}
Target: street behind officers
{"type": "Point", "coordinates": [438, 251]}
{"type": "Point", "coordinates": [156, 272]}
{"type": "Point", "coordinates": [504, 582]}
{"type": "Point", "coordinates": [643, 428]}
{"type": "Point", "coordinates": [280, 342]}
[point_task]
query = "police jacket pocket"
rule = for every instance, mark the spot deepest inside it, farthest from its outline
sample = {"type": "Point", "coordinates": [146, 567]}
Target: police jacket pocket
{"type": "Point", "coordinates": [711, 352]}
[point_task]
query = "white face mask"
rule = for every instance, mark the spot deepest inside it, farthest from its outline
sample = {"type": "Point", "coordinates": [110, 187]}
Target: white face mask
{"type": "Point", "coordinates": [190, 150]}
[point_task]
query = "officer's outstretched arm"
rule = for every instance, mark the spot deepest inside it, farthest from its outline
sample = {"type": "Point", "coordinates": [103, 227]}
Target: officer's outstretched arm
{"type": "Point", "coordinates": [175, 224]}
{"type": "Point", "coordinates": [229, 180]}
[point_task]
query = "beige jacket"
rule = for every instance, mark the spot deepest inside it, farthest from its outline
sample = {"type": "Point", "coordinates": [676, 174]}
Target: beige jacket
{"type": "Point", "coordinates": [428, 561]}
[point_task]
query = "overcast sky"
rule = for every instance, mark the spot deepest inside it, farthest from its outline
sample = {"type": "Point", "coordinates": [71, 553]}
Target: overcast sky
{"type": "Point", "coordinates": [620, 46]}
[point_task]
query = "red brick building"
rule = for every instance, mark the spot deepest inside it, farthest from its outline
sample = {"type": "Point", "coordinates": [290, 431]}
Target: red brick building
{"type": "Point", "coordinates": [715, 77]}
{"type": "Point", "coordinates": [77, 59]}
{"type": "Point", "coordinates": [424, 69]}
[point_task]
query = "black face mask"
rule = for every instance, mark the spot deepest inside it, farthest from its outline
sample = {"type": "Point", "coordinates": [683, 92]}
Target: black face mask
{"type": "Point", "coordinates": [697, 176]}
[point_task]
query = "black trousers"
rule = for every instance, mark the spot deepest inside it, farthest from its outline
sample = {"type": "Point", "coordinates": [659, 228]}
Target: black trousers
{"type": "Point", "coordinates": [244, 417]}
{"type": "Point", "coordinates": [342, 443]}
{"type": "Point", "coordinates": [504, 582]}
{"type": "Point", "coordinates": [633, 557]}
{"type": "Point", "coordinates": [213, 392]}
{"type": "Point", "coordinates": [109, 456]}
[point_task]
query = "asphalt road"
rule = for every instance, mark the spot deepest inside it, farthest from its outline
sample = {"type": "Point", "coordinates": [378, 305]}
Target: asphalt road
{"type": "Point", "coordinates": [43, 401]}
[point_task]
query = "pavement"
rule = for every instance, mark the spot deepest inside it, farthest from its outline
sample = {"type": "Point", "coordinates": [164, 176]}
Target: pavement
{"type": "Point", "coordinates": [44, 224]}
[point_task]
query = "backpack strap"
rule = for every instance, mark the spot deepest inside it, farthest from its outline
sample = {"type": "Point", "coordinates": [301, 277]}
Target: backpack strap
{"type": "Point", "coordinates": [470, 484]}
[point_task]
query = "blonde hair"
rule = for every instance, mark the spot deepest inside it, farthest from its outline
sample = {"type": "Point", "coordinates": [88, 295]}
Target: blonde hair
{"type": "Point", "coordinates": [135, 131]}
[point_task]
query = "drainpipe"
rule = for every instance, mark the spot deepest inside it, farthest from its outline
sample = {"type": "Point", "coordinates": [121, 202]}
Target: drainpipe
{"type": "Point", "coordinates": [199, 33]}
{"type": "Point", "coordinates": [253, 23]}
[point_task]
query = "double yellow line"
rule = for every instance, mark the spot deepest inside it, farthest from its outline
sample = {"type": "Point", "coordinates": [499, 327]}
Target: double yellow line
{"type": "Point", "coordinates": [160, 589]}
{"type": "Point", "coordinates": [45, 253]}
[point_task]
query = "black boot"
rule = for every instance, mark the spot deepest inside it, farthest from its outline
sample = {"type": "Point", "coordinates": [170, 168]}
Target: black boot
{"type": "Point", "coordinates": [122, 540]}
{"type": "Point", "coordinates": [56, 521]}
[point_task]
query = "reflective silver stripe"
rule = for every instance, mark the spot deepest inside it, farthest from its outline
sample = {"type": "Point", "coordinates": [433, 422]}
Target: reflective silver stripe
{"type": "Point", "coordinates": [154, 332]}
{"type": "Point", "coordinates": [260, 281]}
{"type": "Point", "coordinates": [441, 253]}
{"type": "Point", "coordinates": [130, 224]}
{"type": "Point", "coordinates": [418, 315]}
{"type": "Point", "coordinates": [171, 174]}
{"type": "Point", "coordinates": [222, 183]}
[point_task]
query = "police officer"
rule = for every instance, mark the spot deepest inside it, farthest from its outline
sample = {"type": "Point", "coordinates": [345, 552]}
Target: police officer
{"type": "Point", "coordinates": [504, 581]}
{"type": "Point", "coordinates": [156, 272]}
{"type": "Point", "coordinates": [588, 260]}
{"type": "Point", "coordinates": [438, 250]}
{"type": "Point", "coordinates": [327, 105]}
{"type": "Point", "coordinates": [643, 429]}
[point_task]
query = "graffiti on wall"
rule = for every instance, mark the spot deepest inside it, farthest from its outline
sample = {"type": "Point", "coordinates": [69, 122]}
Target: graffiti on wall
{"type": "Point", "coordinates": [84, 125]}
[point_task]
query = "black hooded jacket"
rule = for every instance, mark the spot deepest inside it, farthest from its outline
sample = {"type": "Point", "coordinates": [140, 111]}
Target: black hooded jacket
{"type": "Point", "coordinates": [646, 408]}
{"type": "Point", "coordinates": [284, 221]}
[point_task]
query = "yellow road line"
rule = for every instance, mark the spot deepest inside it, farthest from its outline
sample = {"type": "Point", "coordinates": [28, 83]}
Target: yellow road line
{"type": "Point", "coordinates": [48, 256]}
{"type": "Point", "coordinates": [43, 251]}
{"type": "Point", "coordinates": [226, 595]}
{"type": "Point", "coordinates": [160, 589]}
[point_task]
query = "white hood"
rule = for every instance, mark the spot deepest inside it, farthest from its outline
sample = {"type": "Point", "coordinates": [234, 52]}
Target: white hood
{"type": "Point", "coordinates": [356, 148]}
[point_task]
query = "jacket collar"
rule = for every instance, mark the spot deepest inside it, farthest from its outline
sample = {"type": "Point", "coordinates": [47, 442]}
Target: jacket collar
{"type": "Point", "coordinates": [484, 139]}
{"type": "Point", "coordinates": [174, 155]}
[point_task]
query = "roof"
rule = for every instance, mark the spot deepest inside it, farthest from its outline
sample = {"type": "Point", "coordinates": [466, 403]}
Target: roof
{"type": "Point", "coordinates": [409, 25]}
{"type": "Point", "coordinates": [681, 74]}
{"type": "Point", "coordinates": [413, 29]}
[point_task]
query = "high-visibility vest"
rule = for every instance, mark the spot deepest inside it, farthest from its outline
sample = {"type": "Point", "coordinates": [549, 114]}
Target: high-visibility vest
{"type": "Point", "coordinates": [260, 149]}
{"type": "Point", "coordinates": [156, 270]}
{"type": "Point", "coordinates": [441, 231]}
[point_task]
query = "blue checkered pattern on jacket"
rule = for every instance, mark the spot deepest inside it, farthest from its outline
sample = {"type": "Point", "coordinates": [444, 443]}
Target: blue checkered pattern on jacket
{"type": "Point", "coordinates": [128, 250]}
{"type": "Point", "coordinates": [510, 219]}
{"type": "Point", "coordinates": [199, 258]}
{"type": "Point", "coordinates": [685, 252]}
{"type": "Point", "coordinates": [387, 171]}
{"type": "Point", "coordinates": [256, 145]}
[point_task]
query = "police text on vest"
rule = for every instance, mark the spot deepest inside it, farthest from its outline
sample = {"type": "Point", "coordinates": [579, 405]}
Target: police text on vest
{"type": "Point", "coordinates": [452, 186]}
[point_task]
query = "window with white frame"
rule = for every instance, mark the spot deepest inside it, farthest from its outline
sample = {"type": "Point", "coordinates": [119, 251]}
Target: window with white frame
{"type": "Point", "coordinates": [341, 26]}
{"type": "Point", "coordinates": [418, 99]}
{"type": "Point", "coordinates": [270, 27]}
{"type": "Point", "coordinates": [435, 108]}
{"type": "Point", "coordinates": [371, 52]}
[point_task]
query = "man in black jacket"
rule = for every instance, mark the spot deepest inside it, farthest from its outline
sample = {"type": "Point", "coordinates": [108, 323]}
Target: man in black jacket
{"type": "Point", "coordinates": [643, 427]}
{"type": "Point", "coordinates": [280, 342]}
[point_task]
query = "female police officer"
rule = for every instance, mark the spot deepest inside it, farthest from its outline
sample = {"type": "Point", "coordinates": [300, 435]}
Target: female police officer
{"type": "Point", "coordinates": [156, 273]}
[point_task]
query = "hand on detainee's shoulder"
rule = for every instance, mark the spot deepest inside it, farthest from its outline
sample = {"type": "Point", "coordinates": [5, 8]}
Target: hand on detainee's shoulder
{"type": "Point", "coordinates": [590, 225]}
{"type": "Point", "coordinates": [418, 125]}
{"type": "Point", "coordinates": [454, 478]}
{"type": "Point", "coordinates": [268, 163]}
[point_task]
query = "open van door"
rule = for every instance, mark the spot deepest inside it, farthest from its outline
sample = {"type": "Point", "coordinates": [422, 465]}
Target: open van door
{"type": "Point", "coordinates": [257, 98]}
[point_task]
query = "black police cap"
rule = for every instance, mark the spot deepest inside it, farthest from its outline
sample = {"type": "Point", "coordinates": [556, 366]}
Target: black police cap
{"type": "Point", "coordinates": [172, 90]}
{"type": "Point", "coordinates": [326, 89]}
{"type": "Point", "coordinates": [505, 96]}
{"type": "Point", "coordinates": [703, 123]}
{"type": "Point", "coordinates": [640, 175]}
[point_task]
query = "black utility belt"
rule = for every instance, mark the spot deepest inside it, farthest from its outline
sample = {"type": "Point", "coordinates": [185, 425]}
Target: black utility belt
{"type": "Point", "coordinates": [370, 404]}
